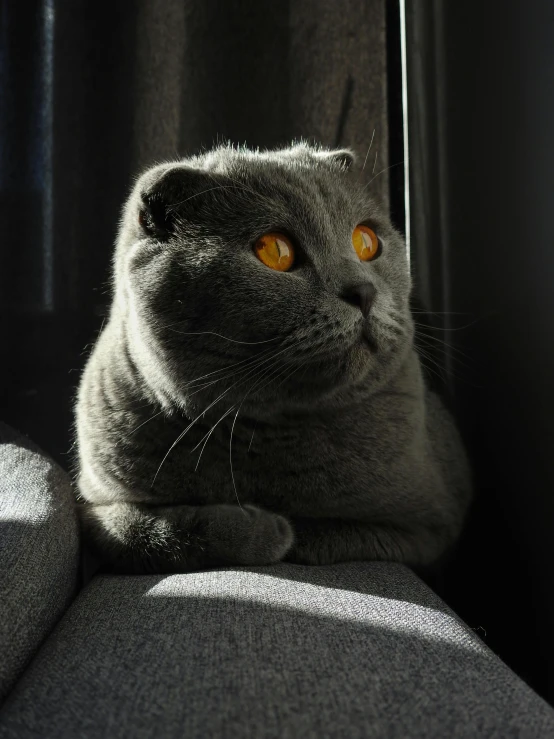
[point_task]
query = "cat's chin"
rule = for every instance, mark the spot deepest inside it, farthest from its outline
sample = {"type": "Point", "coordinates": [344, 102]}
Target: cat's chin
{"type": "Point", "coordinates": [362, 362]}
{"type": "Point", "coordinates": [333, 373]}
{"type": "Point", "coordinates": [367, 346]}
{"type": "Point", "coordinates": [369, 364]}
{"type": "Point", "coordinates": [363, 367]}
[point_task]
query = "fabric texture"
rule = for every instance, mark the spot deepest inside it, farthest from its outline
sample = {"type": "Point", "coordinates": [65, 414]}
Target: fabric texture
{"type": "Point", "coordinates": [39, 550]}
{"type": "Point", "coordinates": [352, 650]}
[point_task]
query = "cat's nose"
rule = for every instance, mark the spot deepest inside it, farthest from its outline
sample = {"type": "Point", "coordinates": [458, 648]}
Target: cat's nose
{"type": "Point", "coordinates": [361, 296]}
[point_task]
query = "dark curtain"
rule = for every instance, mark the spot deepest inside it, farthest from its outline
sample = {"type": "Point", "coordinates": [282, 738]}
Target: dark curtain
{"type": "Point", "coordinates": [481, 123]}
{"type": "Point", "coordinates": [92, 92]}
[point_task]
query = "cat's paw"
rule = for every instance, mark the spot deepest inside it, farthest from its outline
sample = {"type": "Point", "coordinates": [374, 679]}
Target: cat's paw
{"type": "Point", "coordinates": [261, 537]}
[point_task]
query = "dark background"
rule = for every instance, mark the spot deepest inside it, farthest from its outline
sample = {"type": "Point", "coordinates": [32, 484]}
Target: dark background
{"type": "Point", "coordinates": [481, 78]}
{"type": "Point", "coordinates": [91, 93]}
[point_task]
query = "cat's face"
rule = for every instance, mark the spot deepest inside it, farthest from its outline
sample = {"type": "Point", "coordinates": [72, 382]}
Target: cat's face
{"type": "Point", "coordinates": [206, 315]}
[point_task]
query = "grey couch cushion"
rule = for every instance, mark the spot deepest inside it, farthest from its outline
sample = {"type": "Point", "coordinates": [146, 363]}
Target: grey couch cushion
{"type": "Point", "coordinates": [38, 551]}
{"type": "Point", "coordinates": [353, 650]}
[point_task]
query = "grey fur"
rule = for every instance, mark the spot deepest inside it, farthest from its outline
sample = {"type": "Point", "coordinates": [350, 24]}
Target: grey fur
{"type": "Point", "coordinates": [339, 452]}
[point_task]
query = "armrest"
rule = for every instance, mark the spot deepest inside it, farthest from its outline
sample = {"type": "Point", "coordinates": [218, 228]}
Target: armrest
{"type": "Point", "coordinates": [360, 649]}
{"type": "Point", "coordinates": [39, 551]}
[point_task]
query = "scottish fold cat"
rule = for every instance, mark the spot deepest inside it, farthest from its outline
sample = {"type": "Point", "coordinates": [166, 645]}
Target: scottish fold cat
{"type": "Point", "coordinates": [255, 394]}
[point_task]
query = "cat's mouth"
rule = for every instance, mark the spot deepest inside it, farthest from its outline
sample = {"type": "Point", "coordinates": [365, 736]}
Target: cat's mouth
{"type": "Point", "coordinates": [364, 343]}
{"type": "Point", "coordinates": [366, 340]}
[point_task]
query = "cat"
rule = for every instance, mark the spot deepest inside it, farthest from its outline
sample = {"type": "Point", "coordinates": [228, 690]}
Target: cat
{"type": "Point", "coordinates": [255, 395]}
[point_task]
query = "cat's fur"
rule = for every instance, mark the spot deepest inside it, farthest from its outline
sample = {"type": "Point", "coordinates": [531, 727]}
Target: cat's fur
{"type": "Point", "coordinates": [332, 448]}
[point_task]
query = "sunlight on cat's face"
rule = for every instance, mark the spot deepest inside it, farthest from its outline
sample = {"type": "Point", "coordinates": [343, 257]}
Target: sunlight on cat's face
{"type": "Point", "coordinates": [272, 276]}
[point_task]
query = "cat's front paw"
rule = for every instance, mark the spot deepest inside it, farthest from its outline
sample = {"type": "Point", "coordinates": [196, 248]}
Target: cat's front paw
{"type": "Point", "coordinates": [262, 537]}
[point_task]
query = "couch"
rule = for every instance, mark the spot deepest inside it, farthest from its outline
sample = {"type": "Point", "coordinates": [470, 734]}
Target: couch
{"type": "Point", "coordinates": [362, 649]}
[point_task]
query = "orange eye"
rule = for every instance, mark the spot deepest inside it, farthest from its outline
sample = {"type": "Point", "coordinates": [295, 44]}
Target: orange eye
{"type": "Point", "coordinates": [275, 251]}
{"type": "Point", "coordinates": [365, 243]}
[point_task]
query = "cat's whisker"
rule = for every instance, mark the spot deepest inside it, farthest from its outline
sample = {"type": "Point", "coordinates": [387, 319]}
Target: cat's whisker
{"type": "Point", "coordinates": [456, 328]}
{"type": "Point", "coordinates": [231, 458]}
{"type": "Point", "coordinates": [248, 361]}
{"type": "Point", "coordinates": [251, 370]}
{"type": "Point", "coordinates": [207, 436]}
{"type": "Point", "coordinates": [287, 377]}
{"type": "Point", "coordinates": [428, 350]}
{"type": "Point", "coordinates": [177, 440]}
{"type": "Point", "coordinates": [205, 385]}
{"type": "Point", "coordinates": [197, 194]}
{"type": "Point", "coordinates": [305, 370]}
{"type": "Point", "coordinates": [271, 372]}
{"type": "Point", "coordinates": [182, 434]}
{"type": "Point", "coordinates": [443, 369]}
{"type": "Point", "coordinates": [276, 373]}
{"type": "Point", "coordinates": [264, 198]}
{"type": "Point", "coordinates": [251, 438]}
{"type": "Point", "coordinates": [453, 359]}
{"type": "Point", "coordinates": [439, 313]}
{"type": "Point", "coordinates": [263, 375]}
{"type": "Point", "coordinates": [213, 333]}
{"type": "Point", "coordinates": [367, 153]}
{"type": "Point", "coordinates": [241, 186]}
{"type": "Point", "coordinates": [433, 372]}
{"type": "Point", "coordinates": [256, 362]}
{"type": "Point", "coordinates": [445, 345]}
{"type": "Point", "coordinates": [382, 172]}
{"type": "Point", "coordinates": [447, 313]}
{"type": "Point", "coordinates": [423, 354]}
{"type": "Point", "coordinates": [438, 340]}
{"type": "Point", "coordinates": [145, 422]}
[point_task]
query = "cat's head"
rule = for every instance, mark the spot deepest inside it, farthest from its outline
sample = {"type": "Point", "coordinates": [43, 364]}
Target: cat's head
{"type": "Point", "coordinates": [272, 276]}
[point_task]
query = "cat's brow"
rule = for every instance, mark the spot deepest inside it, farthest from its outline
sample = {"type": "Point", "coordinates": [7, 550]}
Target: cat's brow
{"type": "Point", "coordinates": [240, 185]}
{"type": "Point", "coordinates": [202, 192]}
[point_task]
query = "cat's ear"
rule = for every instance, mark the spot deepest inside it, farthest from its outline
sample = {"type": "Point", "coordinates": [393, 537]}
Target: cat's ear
{"type": "Point", "coordinates": [343, 158]}
{"type": "Point", "coordinates": [162, 192]}
{"type": "Point", "coordinates": [155, 217]}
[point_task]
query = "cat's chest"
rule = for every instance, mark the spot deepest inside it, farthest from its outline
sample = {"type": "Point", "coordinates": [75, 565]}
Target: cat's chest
{"type": "Point", "coordinates": [321, 465]}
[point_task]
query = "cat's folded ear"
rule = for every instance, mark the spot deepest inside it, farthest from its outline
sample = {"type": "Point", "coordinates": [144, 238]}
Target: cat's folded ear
{"type": "Point", "coordinates": [166, 193]}
{"type": "Point", "coordinates": [155, 217]}
{"type": "Point", "coordinates": [343, 158]}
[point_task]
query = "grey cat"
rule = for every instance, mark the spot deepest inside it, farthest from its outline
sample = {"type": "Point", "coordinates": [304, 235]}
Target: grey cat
{"type": "Point", "coordinates": [255, 395]}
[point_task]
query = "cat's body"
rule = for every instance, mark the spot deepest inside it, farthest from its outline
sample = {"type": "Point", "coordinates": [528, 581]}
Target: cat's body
{"type": "Point", "coordinates": [318, 439]}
